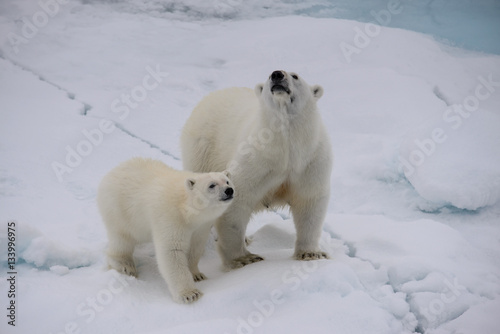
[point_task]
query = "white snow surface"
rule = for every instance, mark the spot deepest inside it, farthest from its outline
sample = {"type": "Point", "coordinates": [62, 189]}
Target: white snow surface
{"type": "Point", "coordinates": [413, 226]}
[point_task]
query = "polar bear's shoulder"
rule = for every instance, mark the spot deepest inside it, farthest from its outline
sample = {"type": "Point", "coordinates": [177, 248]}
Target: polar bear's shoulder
{"type": "Point", "coordinates": [232, 91]}
{"type": "Point", "coordinates": [222, 109]}
{"type": "Point", "coordinates": [228, 98]}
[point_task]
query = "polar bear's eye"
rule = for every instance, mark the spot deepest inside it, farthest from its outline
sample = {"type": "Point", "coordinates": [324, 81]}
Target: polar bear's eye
{"type": "Point", "coordinates": [295, 76]}
{"type": "Point", "coordinates": [212, 186]}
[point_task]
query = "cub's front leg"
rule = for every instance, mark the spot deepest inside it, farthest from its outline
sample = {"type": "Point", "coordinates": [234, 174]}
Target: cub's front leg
{"type": "Point", "coordinates": [197, 247]}
{"type": "Point", "coordinates": [172, 251]}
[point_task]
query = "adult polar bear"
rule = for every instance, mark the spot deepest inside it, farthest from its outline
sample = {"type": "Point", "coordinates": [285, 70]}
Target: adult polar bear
{"type": "Point", "coordinates": [276, 147]}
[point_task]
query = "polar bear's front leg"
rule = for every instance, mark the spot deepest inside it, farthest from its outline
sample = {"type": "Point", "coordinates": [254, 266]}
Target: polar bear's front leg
{"type": "Point", "coordinates": [231, 228]}
{"type": "Point", "coordinates": [172, 256]}
{"type": "Point", "coordinates": [308, 216]}
{"type": "Point", "coordinates": [197, 247]}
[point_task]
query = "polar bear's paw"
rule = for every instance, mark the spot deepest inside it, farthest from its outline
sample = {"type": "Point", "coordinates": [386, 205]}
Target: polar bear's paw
{"type": "Point", "coordinates": [126, 267]}
{"type": "Point", "coordinates": [244, 260]}
{"type": "Point", "coordinates": [190, 296]}
{"type": "Point", "coordinates": [130, 270]}
{"type": "Point", "coordinates": [308, 255]}
{"type": "Point", "coordinates": [199, 277]}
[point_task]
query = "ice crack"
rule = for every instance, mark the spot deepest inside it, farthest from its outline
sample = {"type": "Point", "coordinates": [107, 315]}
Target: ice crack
{"type": "Point", "coordinates": [72, 96]}
{"type": "Point", "coordinates": [152, 145]}
{"type": "Point", "coordinates": [86, 107]}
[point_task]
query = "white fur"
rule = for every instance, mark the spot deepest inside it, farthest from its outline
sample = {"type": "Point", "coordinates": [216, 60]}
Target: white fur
{"type": "Point", "coordinates": [278, 152]}
{"type": "Point", "coordinates": [143, 200]}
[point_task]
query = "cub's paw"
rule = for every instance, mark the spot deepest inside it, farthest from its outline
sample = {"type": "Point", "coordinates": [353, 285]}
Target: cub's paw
{"type": "Point", "coordinates": [309, 255]}
{"type": "Point", "coordinates": [189, 296]}
{"type": "Point", "coordinates": [124, 267]}
{"type": "Point", "coordinates": [130, 270]}
{"type": "Point", "coordinates": [248, 240]}
{"type": "Point", "coordinates": [244, 260]}
{"type": "Point", "coordinates": [199, 277]}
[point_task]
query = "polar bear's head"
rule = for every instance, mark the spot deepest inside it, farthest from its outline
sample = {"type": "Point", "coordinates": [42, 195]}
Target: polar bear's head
{"type": "Point", "coordinates": [209, 194]}
{"type": "Point", "coordinates": [287, 89]}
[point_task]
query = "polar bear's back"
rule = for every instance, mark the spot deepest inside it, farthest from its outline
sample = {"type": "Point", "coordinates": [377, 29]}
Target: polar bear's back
{"type": "Point", "coordinates": [223, 108]}
{"type": "Point", "coordinates": [138, 173]}
{"type": "Point", "coordinates": [135, 189]}
{"type": "Point", "coordinates": [227, 99]}
{"type": "Point", "coordinates": [216, 123]}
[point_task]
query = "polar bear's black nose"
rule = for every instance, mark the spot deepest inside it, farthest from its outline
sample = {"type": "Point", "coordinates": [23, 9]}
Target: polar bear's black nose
{"type": "Point", "coordinates": [229, 192]}
{"type": "Point", "coordinates": [277, 76]}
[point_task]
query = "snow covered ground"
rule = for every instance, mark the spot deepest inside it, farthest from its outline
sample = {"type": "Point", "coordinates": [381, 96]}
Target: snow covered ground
{"type": "Point", "coordinates": [413, 224]}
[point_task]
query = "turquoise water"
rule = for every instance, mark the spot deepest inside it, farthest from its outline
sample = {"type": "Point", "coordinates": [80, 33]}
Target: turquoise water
{"type": "Point", "coordinates": [470, 24]}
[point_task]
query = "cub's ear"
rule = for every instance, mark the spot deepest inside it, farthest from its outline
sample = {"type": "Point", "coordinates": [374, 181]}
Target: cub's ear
{"type": "Point", "coordinates": [226, 172]}
{"type": "Point", "coordinates": [190, 184]}
{"type": "Point", "coordinates": [317, 91]}
{"type": "Point", "coordinates": [258, 89]}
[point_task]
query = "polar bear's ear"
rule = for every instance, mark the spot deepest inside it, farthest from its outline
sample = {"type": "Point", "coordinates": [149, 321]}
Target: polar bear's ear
{"type": "Point", "coordinates": [258, 89]}
{"type": "Point", "coordinates": [190, 184]}
{"type": "Point", "coordinates": [317, 91]}
{"type": "Point", "coordinates": [226, 172]}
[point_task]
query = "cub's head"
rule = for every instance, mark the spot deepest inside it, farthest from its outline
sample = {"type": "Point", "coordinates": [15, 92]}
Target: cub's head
{"type": "Point", "coordinates": [287, 89]}
{"type": "Point", "coordinates": [209, 194]}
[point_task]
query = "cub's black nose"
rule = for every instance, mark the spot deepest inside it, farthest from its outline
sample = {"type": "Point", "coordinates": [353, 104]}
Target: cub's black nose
{"type": "Point", "coordinates": [229, 192]}
{"type": "Point", "coordinates": [277, 76]}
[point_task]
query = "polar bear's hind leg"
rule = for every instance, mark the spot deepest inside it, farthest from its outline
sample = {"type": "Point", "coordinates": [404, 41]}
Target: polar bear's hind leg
{"type": "Point", "coordinates": [120, 255]}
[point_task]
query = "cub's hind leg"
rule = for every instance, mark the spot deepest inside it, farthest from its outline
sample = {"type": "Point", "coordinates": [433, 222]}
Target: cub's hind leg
{"type": "Point", "coordinates": [120, 254]}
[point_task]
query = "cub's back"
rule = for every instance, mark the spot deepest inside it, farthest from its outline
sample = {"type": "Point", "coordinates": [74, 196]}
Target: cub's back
{"type": "Point", "coordinates": [135, 185]}
{"type": "Point", "coordinates": [134, 174]}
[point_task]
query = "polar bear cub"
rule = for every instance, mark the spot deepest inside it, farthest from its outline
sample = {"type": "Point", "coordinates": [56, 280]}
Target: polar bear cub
{"type": "Point", "coordinates": [143, 200]}
{"type": "Point", "coordinates": [273, 141]}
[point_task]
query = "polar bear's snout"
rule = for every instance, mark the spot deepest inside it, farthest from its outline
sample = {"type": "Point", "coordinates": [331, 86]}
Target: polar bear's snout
{"type": "Point", "coordinates": [277, 76]}
{"type": "Point", "coordinates": [228, 194]}
{"type": "Point", "coordinates": [279, 83]}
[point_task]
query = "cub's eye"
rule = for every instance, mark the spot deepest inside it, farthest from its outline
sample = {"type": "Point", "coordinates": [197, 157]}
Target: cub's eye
{"type": "Point", "coordinates": [295, 76]}
{"type": "Point", "coordinates": [227, 182]}
{"type": "Point", "coordinates": [212, 186]}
